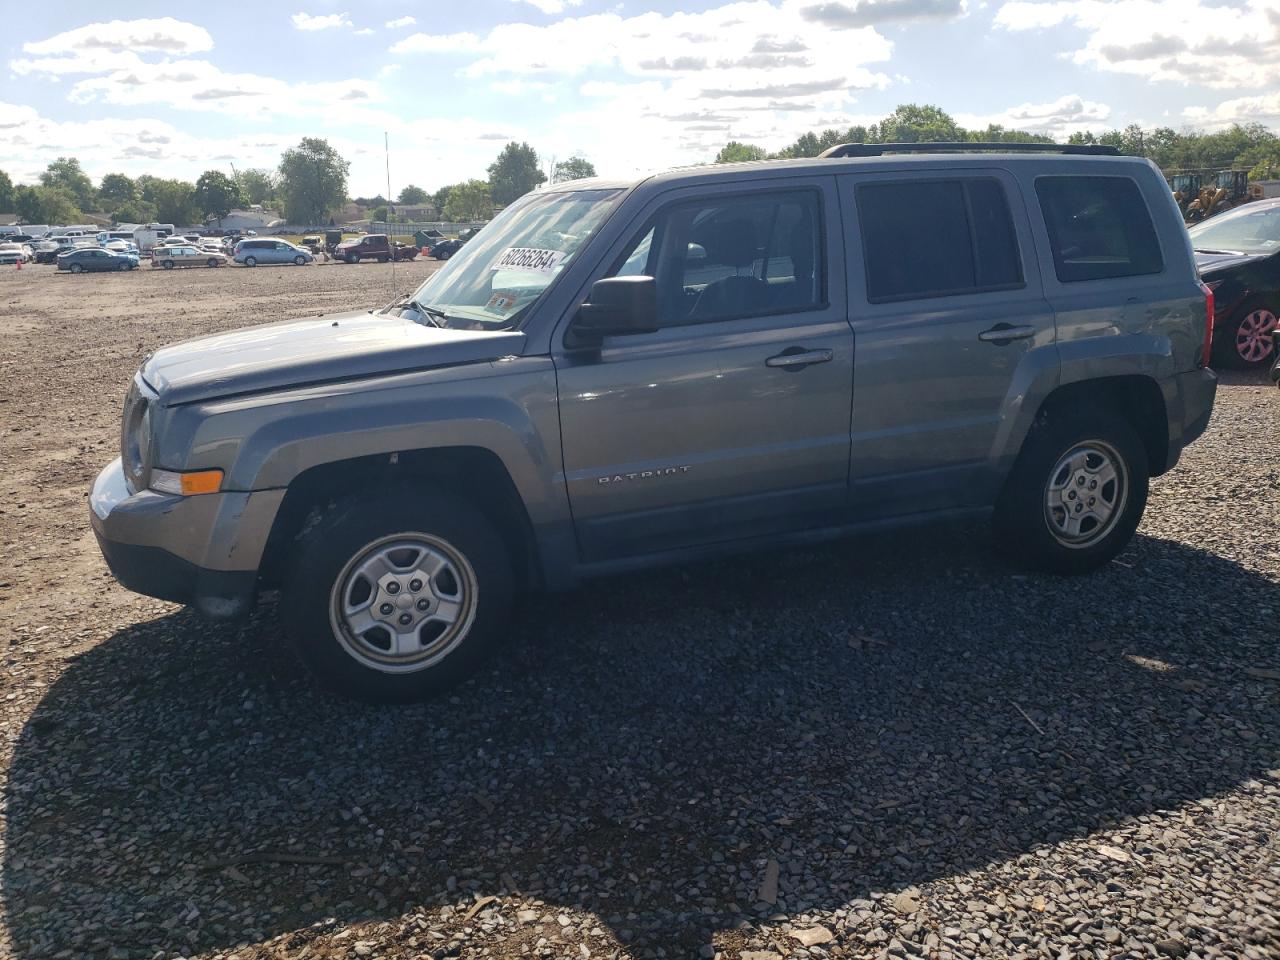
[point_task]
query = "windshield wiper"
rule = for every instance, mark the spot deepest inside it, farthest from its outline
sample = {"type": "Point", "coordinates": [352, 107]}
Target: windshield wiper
{"type": "Point", "coordinates": [1231, 253]}
{"type": "Point", "coordinates": [433, 315]}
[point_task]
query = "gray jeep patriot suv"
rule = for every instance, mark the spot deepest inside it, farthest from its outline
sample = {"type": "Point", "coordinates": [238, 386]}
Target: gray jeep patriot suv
{"type": "Point", "coordinates": [617, 375]}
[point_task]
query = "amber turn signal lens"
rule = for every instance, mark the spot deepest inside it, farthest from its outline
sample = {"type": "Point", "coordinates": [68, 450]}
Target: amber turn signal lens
{"type": "Point", "coordinates": [203, 481]}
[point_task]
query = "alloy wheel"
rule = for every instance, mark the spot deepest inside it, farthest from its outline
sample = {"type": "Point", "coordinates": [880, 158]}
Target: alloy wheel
{"type": "Point", "coordinates": [1253, 335]}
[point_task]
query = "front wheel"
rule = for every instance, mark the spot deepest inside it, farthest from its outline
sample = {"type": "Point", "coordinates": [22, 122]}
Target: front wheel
{"type": "Point", "coordinates": [1245, 342]}
{"type": "Point", "coordinates": [1076, 494]}
{"type": "Point", "coordinates": [300, 260]}
{"type": "Point", "coordinates": [168, 264]}
{"type": "Point", "coordinates": [213, 261]}
{"type": "Point", "coordinates": [76, 268]}
{"type": "Point", "coordinates": [125, 266]}
{"type": "Point", "coordinates": [352, 258]}
{"type": "Point", "coordinates": [398, 596]}
{"type": "Point", "coordinates": [443, 255]}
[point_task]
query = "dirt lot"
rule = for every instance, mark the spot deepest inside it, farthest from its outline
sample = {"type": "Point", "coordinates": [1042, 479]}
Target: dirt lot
{"type": "Point", "coordinates": [897, 747]}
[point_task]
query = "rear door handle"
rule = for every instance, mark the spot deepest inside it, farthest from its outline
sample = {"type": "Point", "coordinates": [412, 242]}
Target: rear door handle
{"type": "Point", "coordinates": [1003, 333]}
{"type": "Point", "coordinates": [797, 358]}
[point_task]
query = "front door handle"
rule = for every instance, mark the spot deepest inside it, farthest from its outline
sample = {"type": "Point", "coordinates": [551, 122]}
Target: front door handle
{"type": "Point", "coordinates": [1003, 333]}
{"type": "Point", "coordinates": [797, 358]}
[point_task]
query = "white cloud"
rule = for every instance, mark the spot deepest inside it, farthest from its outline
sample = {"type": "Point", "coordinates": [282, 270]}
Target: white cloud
{"type": "Point", "coordinates": [1180, 41]}
{"type": "Point", "coordinates": [551, 6]}
{"type": "Point", "coordinates": [326, 21]}
{"type": "Point", "coordinates": [1264, 109]}
{"type": "Point", "coordinates": [744, 59]}
{"type": "Point", "coordinates": [437, 43]}
{"type": "Point", "coordinates": [364, 31]}
{"type": "Point", "coordinates": [1054, 119]}
{"type": "Point", "coordinates": [164, 35]}
{"type": "Point", "coordinates": [399, 22]}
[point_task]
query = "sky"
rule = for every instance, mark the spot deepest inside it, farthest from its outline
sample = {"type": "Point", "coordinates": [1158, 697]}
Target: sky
{"type": "Point", "coordinates": [634, 86]}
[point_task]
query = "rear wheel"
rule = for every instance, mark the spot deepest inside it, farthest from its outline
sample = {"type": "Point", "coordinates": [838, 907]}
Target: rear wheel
{"type": "Point", "coordinates": [1076, 494]}
{"type": "Point", "coordinates": [1245, 342]}
{"type": "Point", "coordinates": [383, 259]}
{"type": "Point", "coordinates": [76, 268]}
{"type": "Point", "coordinates": [168, 264]}
{"type": "Point", "coordinates": [250, 261]}
{"type": "Point", "coordinates": [398, 596]}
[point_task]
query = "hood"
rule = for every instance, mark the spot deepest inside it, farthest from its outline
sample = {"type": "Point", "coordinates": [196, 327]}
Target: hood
{"type": "Point", "coordinates": [1213, 262]}
{"type": "Point", "coordinates": [342, 346]}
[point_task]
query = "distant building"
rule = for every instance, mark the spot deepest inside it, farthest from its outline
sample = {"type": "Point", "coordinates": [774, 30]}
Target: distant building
{"type": "Point", "coordinates": [249, 219]}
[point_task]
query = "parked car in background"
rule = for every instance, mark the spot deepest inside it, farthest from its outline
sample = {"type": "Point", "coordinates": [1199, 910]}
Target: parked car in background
{"type": "Point", "coordinates": [121, 246]}
{"type": "Point", "coordinates": [173, 255]}
{"type": "Point", "coordinates": [256, 251]}
{"type": "Point", "coordinates": [1238, 253]}
{"type": "Point", "coordinates": [95, 258]}
{"type": "Point", "coordinates": [47, 251]}
{"type": "Point", "coordinates": [444, 249]}
{"type": "Point", "coordinates": [373, 246]}
{"type": "Point", "coordinates": [11, 253]}
{"type": "Point", "coordinates": [19, 238]}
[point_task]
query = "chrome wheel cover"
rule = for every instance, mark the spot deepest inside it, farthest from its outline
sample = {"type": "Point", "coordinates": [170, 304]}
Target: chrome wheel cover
{"type": "Point", "coordinates": [403, 603]}
{"type": "Point", "coordinates": [1086, 494]}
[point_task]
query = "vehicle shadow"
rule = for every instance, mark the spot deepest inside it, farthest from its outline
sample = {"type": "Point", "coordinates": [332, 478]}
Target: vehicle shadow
{"type": "Point", "coordinates": [854, 712]}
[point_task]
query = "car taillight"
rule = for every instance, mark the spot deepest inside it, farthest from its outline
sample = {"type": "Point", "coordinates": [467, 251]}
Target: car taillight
{"type": "Point", "coordinates": [1206, 347]}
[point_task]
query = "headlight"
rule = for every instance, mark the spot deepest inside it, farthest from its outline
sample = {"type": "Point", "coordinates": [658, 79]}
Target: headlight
{"type": "Point", "coordinates": [135, 437]}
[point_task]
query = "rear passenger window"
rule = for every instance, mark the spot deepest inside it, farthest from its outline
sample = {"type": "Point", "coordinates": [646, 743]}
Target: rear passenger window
{"type": "Point", "coordinates": [1099, 228]}
{"type": "Point", "coordinates": [936, 238]}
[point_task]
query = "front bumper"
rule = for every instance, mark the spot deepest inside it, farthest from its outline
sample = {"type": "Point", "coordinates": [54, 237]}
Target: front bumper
{"type": "Point", "coordinates": [203, 551]}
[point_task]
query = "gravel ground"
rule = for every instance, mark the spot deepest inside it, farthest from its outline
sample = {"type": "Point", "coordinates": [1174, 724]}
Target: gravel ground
{"type": "Point", "coordinates": [895, 747]}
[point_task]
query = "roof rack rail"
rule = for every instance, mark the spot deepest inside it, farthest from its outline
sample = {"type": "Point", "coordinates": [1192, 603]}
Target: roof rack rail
{"type": "Point", "coordinates": [879, 149]}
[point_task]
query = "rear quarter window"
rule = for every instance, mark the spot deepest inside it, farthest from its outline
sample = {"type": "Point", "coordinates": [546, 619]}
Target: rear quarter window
{"type": "Point", "coordinates": [1099, 228]}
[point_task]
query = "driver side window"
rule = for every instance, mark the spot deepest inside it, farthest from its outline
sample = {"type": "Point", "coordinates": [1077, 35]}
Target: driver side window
{"type": "Point", "coordinates": [734, 257]}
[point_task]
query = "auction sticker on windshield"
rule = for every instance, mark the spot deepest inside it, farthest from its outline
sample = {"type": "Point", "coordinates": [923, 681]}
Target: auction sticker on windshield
{"type": "Point", "coordinates": [529, 259]}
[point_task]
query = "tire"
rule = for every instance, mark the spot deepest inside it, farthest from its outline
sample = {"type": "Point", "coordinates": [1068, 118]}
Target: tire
{"type": "Point", "coordinates": [300, 260]}
{"type": "Point", "coordinates": [443, 255]}
{"type": "Point", "coordinates": [76, 268]}
{"type": "Point", "coordinates": [124, 266]}
{"type": "Point", "coordinates": [1245, 343]}
{"type": "Point", "coordinates": [1073, 446]}
{"type": "Point", "coordinates": [212, 262]}
{"type": "Point", "coordinates": [168, 264]}
{"type": "Point", "coordinates": [383, 259]}
{"type": "Point", "coordinates": [352, 258]}
{"type": "Point", "coordinates": [250, 261]}
{"type": "Point", "coordinates": [416, 526]}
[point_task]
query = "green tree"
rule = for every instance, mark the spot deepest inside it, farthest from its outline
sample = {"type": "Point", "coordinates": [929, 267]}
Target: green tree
{"type": "Point", "coordinates": [46, 205]}
{"type": "Point", "coordinates": [380, 214]}
{"type": "Point", "coordinates": [913, 123]}
{"type": "Point", "coordinates": [257, 186]}
{"type": "Point", "coordinates": [514, 173]}
{"type": "Point", "coordinates": [469, 201]}
{"type": "Point", "coordinates": [735, 152]}
{"type": "Point", "coordinates": [413, 195]}
{"type": "Point", "coordinates": [217, 194]}
{"type": "Point", "coordinates": [441, 197]}
{"type": "Point", "coordinates": [575, 168]}
{"type": "Point", "coordinates": [174, 200]}
{"type": "Point", "coordinates": [65, 172]}
{"type": "Point", "coordinates": [313, 181]}
{"type": "Point", "coordinates": [6, 193]}
{"type": "Point", "coordinates": [116, 189]}
{"type": "Point", "coordinates": [135, 211]}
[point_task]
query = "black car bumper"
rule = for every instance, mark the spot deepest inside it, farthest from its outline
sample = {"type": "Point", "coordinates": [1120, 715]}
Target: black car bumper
{"type": "Point", "coordinates": [219, 594]}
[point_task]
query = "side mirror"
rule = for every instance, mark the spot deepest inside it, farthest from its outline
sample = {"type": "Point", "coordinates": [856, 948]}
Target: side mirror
{"type": "Point", "coordinates": [617, 306]}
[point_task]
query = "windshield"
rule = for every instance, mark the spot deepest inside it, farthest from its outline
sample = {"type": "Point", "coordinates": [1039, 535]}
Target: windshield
{"type": "Point", "coordinates": [1244, 230]}
{"type": "Point", "coordinates": [493, 279]}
